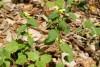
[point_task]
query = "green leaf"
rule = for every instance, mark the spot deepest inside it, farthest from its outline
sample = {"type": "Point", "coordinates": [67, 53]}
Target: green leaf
{"type": "Point", "coordinates": [1, 62]}
{"type": "Point", "coordinates": [4, 54]}
{"type": "Point", "coordinates": [21, 29]}
{"type": "Point", "coordinates": [46, 58]}
{"type": "Point", "coordinates": [33, 55]}
{"type": "Point", "coordinates": [72, 16]}
{"type": "Point", "coordinates": [22, 14]}
{"type": "Point", "coordinates": [69, 58]}
{"type": "Point", "coordinates": [21, 46]}
{"type": "Point", "coordinates": [31, 65]}
{"type": "Point", "coordinates": [90, 25]}
{"type": "Point", "coordinates": [30, 40]}
{"type": "Point", "coordinates": [60, 65]}
{"type": "Point", "coordinates": [53, 34]}
{"type": "Point", "coordinates": [1, 4]}
{"type": "Point", "coordinates": [60, 3]}
{"type": "Point", "coordinates": [83, 32]}
{"type": "Point", "coordinates": [67, 9]}
{"type": "Point", "coordinates": [11, 47]}
{"type": "Point", "coordinates": [98, 31]}
{"type": "Point", "coordinates": [66, 48]}
{"type": "Point", "coordinates": [64, 26]}
{"type": "Point", "coordinates": [21, 59]}
{"type": "Point", "coordinates": [50, 4]}
{"type": "Point", "coordinates": [32, 22]}
{"type": "Point", "coordinates": [70, 1]}
{"type": "Point", "coordinates": [7, 63]}
{"type": "Point", "coordinates": [82, 6]}
{"type": "Point", "coordinates": [53, 15]}
{"type": "Point", "coordinates": [40, 64]}
{"type": "Point", "coordinates": [1, 52]}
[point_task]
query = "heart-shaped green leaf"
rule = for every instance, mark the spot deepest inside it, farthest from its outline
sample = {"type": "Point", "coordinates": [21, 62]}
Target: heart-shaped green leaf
{"type": "Point", "coordinates": [46, 58]}
{"type": "Point", "coordinates": [53, 34]}
{"type": "Point", "coordinates": [21, 29]}
{"type": "Point", "coordinates": [32, 22]}
{"type": "Point", "coordinates": [21, 59]}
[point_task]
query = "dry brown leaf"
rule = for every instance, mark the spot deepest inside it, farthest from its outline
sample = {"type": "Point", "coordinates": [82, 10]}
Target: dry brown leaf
{"type": "Point", "coordinates": [27, 8]}
{"type": "Point", "coordinates": [89, 62]}
{"type": "Point", "coordinates": [11, 22]}
{"type": "Point", "coordinates": [9, 36]}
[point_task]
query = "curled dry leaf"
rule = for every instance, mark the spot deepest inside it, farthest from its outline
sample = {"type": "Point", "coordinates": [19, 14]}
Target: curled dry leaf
{"type": "Point", "coordinates": [89, 62]}
{"type": "Point", "coordinates": [39, 21]}
{"type": "Point", "coordinates": [27, 8]}
{"type": "Point", "coordinates": [4, 26]}
{"type": "Point", "coordinates": [34, 11]}
{"type": "Point", "coordinates": [43, 26]}
{"type": "Point", "coordinates": [92, 47]}
{"type": "Point", "coordinates": [9, 36]}
{"type": "Point", "coordinates": [15, 27]}
{"type": "Point", "coordinates": [9, 6]}
{"type": "Point", "coordinates": [23, 21]}
{"type": "Point", "coordinates": [44, 17]}
{"type": "Point", "coordinates": [11, 22]}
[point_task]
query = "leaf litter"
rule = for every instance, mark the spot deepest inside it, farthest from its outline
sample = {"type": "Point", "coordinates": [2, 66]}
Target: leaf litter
{"type": "Point", "coordinates": [86, 49]}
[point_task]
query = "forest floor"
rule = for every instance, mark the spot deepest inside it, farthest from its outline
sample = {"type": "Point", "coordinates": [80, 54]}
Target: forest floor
{"type": "Point", "coordinates": [85, 45]}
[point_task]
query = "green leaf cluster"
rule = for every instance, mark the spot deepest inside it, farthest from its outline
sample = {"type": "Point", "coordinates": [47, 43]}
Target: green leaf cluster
{"type": "Point", "coordinates": [44, 59]}
{"type": "Point", "coordinates": [53, 15]}
{"type": "Point", "coordinates": [33, 56]}
{"type": "Point", "coordinates": [93, 30]}
{"type": "Point", "coordinates": [53, 34]}
{"type": "Point", "coordinates": [66, 48]}
{"type": "Point", "coordinates": [30, 22]}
